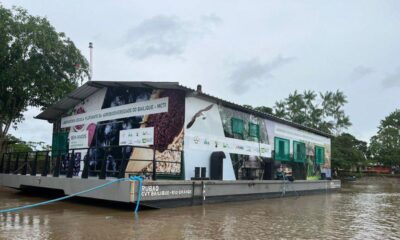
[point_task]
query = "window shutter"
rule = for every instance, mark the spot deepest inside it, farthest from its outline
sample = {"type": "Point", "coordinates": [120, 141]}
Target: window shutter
{"type": "Point", "coordinates": [254, 130]}
{"type": "Point", "coordinates": [299, 151]}
{"type": "Point", "coordinates": [319, 155]}
{"type": "Point", "coordinates": [277, 147]}
{"type": "Point", "coordinates": [282, 149]}
{"type": "Point", "coordinates": [237, 126]}
{"type": "Point", "coordinates": [59, 143]}
{"type": "Point", "coordinates": [287, 150]}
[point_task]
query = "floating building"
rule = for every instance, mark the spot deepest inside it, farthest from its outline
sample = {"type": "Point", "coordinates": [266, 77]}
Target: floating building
{"type": "Point", "coordinates": [189, 146]}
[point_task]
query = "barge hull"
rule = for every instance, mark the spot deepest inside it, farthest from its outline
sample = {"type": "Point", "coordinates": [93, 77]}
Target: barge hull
{"type": "Point", "coordinates": [167, 193]}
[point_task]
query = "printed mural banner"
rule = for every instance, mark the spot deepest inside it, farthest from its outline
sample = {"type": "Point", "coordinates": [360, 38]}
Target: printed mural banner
{"type": "Point", "coordinates": [113, 111]}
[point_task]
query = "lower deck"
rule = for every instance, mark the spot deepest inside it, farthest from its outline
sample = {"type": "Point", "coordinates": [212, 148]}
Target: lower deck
{"type": "Point", "coordinates": [171, 193]}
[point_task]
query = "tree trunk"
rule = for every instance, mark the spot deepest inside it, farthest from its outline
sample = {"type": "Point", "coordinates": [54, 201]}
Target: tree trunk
{"type": "Point", "coordinates": [3, 136]}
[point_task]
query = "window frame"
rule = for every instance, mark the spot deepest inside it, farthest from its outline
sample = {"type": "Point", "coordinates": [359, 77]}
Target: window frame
{"type": "Point", "coordinates": [278, 156]}
{"type": "Point", "coordinates": [317, 160]}
{"type": "Point", "coordinates": [257, 130]}
{"type": "Point", "coordinates": [295, 143]}
{"type": "Point", "coordinates": [232, 128]}
{"type": "Point", "coordinates": [59, 144]}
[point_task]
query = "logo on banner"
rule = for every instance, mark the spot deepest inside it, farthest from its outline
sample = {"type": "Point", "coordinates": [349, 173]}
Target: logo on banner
{"type": "Point", "coordinates": [230, 145]}
{"type": "Point", "coordinates": [137, 137]}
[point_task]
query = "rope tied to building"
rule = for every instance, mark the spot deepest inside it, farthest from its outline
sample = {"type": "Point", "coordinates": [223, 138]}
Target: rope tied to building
{"type": "Point", "coordinates": [131, 179]}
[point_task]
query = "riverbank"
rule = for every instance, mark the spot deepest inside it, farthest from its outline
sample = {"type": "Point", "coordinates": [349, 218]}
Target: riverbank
{"type": "Point", "coordinates": [383, 179]}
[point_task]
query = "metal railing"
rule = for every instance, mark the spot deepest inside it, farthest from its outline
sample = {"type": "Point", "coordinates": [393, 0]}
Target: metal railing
{"type": "Point", "coordinates": [101, 162]}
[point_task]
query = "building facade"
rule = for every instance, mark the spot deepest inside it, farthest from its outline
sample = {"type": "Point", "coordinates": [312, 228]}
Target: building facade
{"type": "Point", "coordinates": [179, 133]}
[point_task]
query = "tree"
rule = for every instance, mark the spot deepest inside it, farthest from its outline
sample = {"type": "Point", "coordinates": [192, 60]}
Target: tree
{"type": "Point", "coordinates": [38, 66]}
{"type": "Point", "coordinates": [13, 144]}
{"type": "Point", "coordinates": [262, 109]}
{"type": "Point", "coordinates": [348, 152]}
{"type": "Point", "coordinates": [303, 108]}
{"type": "Point", "coordinates": [385, 145]}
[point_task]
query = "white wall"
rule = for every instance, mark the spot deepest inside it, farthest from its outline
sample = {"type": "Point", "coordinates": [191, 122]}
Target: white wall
{"type": "Point", "coordinates": [294, 134]}
{"type": "Point", "coordinates": [209, 124]}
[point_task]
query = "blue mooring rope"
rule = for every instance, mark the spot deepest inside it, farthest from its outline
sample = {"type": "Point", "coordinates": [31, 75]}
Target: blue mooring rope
{"type": "Point", "coordinates": [131, 178]}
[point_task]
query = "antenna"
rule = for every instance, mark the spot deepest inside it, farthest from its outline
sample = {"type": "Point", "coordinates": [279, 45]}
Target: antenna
{"type": "Point", "coordinates": [91, 61]}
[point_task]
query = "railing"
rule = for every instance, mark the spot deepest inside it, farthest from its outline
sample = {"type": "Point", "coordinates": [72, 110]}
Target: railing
{"type": "Point", "coordinates": [101, 162]}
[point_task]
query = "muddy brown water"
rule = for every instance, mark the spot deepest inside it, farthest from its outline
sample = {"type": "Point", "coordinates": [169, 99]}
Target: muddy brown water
{"type": "Point", "coordinates": [366, 209]}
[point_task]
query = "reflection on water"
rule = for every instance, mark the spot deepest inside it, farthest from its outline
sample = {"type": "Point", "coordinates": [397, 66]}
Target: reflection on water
{"type": "Point", "coordinates": [367, 209]}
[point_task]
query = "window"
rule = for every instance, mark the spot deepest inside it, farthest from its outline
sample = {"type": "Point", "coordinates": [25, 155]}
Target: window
{"type": "Point", "coordinates": [282, 151]}
{"type": "Point", "coordinates": [299, 151]}
{"type": "Point", "coordinates": [319, 155]}
{"type": "Point", "coordinates": [237, 126]}
{"type": "Point", "coordinates": [254, 130]}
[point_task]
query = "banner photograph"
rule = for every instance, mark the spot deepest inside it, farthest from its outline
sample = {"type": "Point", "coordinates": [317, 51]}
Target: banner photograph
{"type": "Point", "coordinates": [150, 118]}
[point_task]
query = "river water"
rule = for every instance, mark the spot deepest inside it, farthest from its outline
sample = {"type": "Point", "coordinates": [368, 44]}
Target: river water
{"type": "Point", "coordinates": [365, 209]}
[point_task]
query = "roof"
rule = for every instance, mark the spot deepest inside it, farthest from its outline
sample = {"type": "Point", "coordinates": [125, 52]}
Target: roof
{"type": "Point", "coordinates": [55, 111]}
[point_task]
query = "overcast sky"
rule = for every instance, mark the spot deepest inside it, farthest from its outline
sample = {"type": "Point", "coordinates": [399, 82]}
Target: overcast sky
{"type": "Point", "coordinates": [248, 52]}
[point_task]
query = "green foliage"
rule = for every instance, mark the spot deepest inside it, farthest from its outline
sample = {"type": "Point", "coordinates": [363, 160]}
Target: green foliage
{"type": "Point", "coordinates": [325, 113]}
{"type": "Point", "coordinates": [20, 147]}
{"type": "Point", "coordinates": [262, 109]}
{"type": "Point", "coordinates": [38, 65]}
{"type": "Point", "coordinates": [13, 144]}
{"type": "Point", "coordinates": [385, 145]}
{"type": "Point", "coordinates": [313, 177]}
{"type": "Point", "coordinates": [348, 152]}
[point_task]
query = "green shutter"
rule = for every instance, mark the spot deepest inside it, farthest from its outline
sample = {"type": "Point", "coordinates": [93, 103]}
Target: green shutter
{"type": "Point", "coordinates": [277, 148]}
{"type": "Point", "coordinates": [59, 144]}
{"type": "Point", "coordinates": [282, 149]}
{"type": "Point", "coordinates": [319, 155]}
{"type": "Point", "coordinates": [281, 153]}
{"type": "Point", "coordinates": [299, 151]}
{"type": "Point", "coordinates": [237, 126]}
{"type": "Point", "coordinates": [254, 130]}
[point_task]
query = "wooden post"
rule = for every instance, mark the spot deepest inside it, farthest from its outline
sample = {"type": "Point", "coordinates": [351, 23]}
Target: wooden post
{"type": "Point", "coordinates": [71, 164]}
{"type": "Point", "coordinates": [34, 165]}
{"type": "Point", "coordinates": [2, 163]}
{"type": "Point", "coordinates": [154, 164]}
{"type": "Point", "coordinates": [203, 192]}
{"type": "Point", "coordinates": [45, 170]}
{"type": "Point", "coordinates": [25, 167]}
{"type": "Point", "coordinates": [8, 168]}
{"type": "Point", "coordinates": [16, 166]}
{"type": "Point", "coordinates": [103, 170]}
{"type": "Point", "coordinates": [85, 171]}
{"type": "Point", "coordinates": [56, 171]}
{"type": "Point", "coordinates": [123, 164]}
